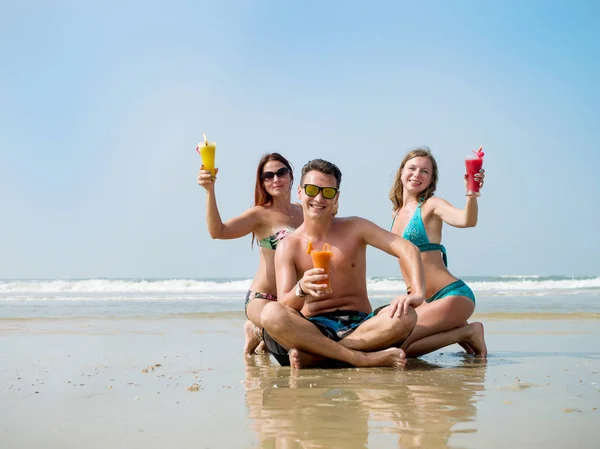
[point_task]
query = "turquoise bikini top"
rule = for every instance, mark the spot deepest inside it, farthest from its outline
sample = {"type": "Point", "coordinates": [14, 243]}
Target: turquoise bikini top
{"type": "Point", "coordinates": [415, 233]}
{"type": "Point", "coordinates": [272, 241]}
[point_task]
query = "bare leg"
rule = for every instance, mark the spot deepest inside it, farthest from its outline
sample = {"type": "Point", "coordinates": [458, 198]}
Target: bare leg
{"type": "Point", "coordinates": [254, 309]}
{"type": "Point", "coordinates": [442, 315]}
{"type": "Point", "coordinates": [466, 346]}
{"type": "Point", "coordinates": [299, 359]}
{"type": "Point", "coordinates": [468, 349]}
{"type": "Point", "coordinates": [472, 334]}
{"type": "Point", "coordinates": [252, 338]}
{"type": "Point", "coordinates": [381, 331]}
{"type": "Point", "coordinates": [261, 349]}
{"type": "Point", "coordinates": [291, 330]}
{"type": "Point", "coordinates": [252, 328]}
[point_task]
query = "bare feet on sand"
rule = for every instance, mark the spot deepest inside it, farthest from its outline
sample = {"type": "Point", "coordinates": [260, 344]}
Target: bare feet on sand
{"type": "Point", "coordinates": [468, 349]}
{"type": "Point", "coordinates": [475, 340]}
{"type": "Point", "coordinates": [392, 358]}
{"type": "Point", "coordinates": [300, 359]}
{"type": "Point", "coordinates": [261, 348]}
{"type": "Point", "coordinates": [253, 338]}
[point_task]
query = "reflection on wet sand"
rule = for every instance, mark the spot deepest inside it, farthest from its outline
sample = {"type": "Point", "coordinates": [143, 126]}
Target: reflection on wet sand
{"type": "Point", "coordinates": [423, 405]}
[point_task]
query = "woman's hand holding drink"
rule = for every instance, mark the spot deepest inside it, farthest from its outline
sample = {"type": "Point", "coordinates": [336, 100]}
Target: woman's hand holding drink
{"type": "Point", "coordinates": [474, 178]}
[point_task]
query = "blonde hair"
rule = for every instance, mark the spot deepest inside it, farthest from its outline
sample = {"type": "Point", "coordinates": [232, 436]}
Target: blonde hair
{"type": "Point", "coordinates": [396, 192]}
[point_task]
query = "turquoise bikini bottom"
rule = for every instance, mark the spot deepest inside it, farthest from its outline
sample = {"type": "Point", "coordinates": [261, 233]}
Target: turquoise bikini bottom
{"type": "Point", "coordinates": [458, 288]}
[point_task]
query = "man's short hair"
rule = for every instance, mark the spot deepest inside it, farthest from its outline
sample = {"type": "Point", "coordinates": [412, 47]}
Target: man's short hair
{"type": "Point", "coordinates": [324, 167]}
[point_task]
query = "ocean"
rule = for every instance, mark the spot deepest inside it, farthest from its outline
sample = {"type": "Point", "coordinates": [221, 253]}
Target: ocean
{"type": "Point", "coordinates": [528, 296]}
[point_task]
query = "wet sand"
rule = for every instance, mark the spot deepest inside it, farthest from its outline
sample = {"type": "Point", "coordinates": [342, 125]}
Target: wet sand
{"type": "Point", "coordinates": [99, 383]}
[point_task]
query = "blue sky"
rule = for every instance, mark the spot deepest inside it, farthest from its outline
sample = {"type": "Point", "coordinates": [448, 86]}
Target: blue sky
{"type": "Point", "coordinates": [102, 104]}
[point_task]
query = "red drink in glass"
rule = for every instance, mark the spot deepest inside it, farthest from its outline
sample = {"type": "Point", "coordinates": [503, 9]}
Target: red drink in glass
{"type": "Point", "coordinates": [473, 164]}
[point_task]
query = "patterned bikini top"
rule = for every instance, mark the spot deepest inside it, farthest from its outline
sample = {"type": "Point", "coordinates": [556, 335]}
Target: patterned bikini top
{"type": "Point", "coordinates": [272, 241]}
{"type": "Point", "coordinates": [415, 233]}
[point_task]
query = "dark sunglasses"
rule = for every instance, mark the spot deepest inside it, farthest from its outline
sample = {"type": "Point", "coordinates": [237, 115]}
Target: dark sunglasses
{"type": "Point", "coordinates": [283, 171]}
{"type": "Point", "coordinates": [312, 190]}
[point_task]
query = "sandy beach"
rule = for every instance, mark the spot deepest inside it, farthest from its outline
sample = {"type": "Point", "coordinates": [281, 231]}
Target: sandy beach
{"type": "Point", "coordinates": [469, 128]}
{"type": "Point", "coordinates": [122, 383]}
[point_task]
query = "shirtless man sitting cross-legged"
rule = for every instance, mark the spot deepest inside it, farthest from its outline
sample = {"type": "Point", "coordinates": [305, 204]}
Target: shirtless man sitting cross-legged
{"type": "Point", "coordinates": [312, 322]}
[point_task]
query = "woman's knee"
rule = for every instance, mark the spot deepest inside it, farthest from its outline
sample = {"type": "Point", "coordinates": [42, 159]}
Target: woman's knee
{"type": "Point", "coordinates": [254, 310]}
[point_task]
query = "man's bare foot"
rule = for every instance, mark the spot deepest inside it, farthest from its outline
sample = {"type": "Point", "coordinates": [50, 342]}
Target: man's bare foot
{"type": "Point", "coordinates": [392, 358]}
{"type": "Point", "coordinates": [475, 339]}
{"type": "Point", "coordinates": [253, 339]}
{"type": "Point", "coordinates": [261, 348]}
{"type": "Point", "coordinates": [300, 359]}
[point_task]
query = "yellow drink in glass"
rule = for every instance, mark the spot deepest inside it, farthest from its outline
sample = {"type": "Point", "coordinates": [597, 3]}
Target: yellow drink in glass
{"type": "Point", "coordinates": [207, 152]}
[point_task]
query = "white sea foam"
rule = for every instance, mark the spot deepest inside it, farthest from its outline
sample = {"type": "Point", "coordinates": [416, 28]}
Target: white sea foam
{"type": "Point", "coordinates": [178, 288]}
{"type": "Point", "coordinates": [503, 284]}
{"type": "Point", "coordinates": [123, 286]}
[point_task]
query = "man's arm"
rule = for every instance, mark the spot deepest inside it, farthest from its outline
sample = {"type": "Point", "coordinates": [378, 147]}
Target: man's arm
{"type": "Point", "coordinates": [408, 254]}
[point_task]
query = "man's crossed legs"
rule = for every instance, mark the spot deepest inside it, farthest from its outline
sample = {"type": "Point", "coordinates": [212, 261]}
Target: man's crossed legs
{"type": "Point", "coordinates": [301, 342]}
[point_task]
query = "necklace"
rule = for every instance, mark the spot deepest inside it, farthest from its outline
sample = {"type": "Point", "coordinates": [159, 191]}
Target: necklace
{"type": "Point", "coordinates": [289, 212]}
